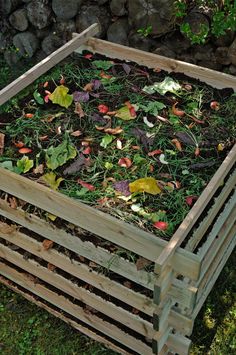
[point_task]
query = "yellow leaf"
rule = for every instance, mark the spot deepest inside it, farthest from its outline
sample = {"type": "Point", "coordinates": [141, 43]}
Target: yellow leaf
{"type": "Point", "coordinates": [60, 96]}
{"type": "Point", "coordinates": [148, 185]}
{"type": "Point", "coordinates": [52, 217]}
{"type": "Point", "coordinates": [50, 179]}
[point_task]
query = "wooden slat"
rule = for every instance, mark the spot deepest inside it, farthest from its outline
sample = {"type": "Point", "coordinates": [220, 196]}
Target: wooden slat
{"type": "Point", "coordinates": [25, 281]}
{"type": "Point", "coordinates": [117, 51]}
{"type": "Point", "coordinates": [117, 313]}
{"type": "Point", "coordinates": [212, 213]}
{"type": "Point", "coordinates": [47, 63]}
{"type": "Point", "coordinates": [191, 218]}
{"type": "Point", "coordinates": [214, 272]}
{"type": "Point", "coordinates": [178, 344]}
{"type": "Point", "coordinates": [63, 317]}
{"type": "Point", "coordinates": [98, 280]}
{"type": "Point", "coordinates": [86, 249]}
{"type": "Point", "coordinates": [97, 222]}
{"type": "Point", "coordinates": [80, 270]}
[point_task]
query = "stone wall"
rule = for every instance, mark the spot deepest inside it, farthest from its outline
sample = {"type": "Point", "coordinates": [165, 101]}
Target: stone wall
{"type": "Point", "coordinates": [35, 28]}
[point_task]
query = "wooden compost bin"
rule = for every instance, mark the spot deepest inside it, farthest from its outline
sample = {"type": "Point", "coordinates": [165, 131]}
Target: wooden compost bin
{"type": "Point", "coordinates": [183, 276]}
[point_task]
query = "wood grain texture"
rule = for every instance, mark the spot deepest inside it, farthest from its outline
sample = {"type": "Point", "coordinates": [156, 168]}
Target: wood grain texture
{"type": "Point", "coordinates": [97, 222]}
{"type": "Point", "coordinates": [47, 63]}
{"type": "Point", "coordinates": [113, 50]}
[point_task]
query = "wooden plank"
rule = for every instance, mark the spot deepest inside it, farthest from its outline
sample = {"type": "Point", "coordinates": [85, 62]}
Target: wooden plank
{"type": "Point", "coordinates": [150, 60]}
{"type": "Point", "coordinates": [63, 317]}
{"type": "Point", "coordinates": [98, 280]}
{"type": "Point", "coordinates": [160, 338]}
{"type": "Point", "coordinates": [117, 313]}
{"type": "Point", "coordinates": [102, 257]}
{"type": "Point", "coordinates": [47, 63]}
{"type": "Point", "coordinates": [213, 274]}
{"type": "Point", "coordinates": [204, 225]}
{"type": "Point", "coordinates": [25, 281]}
{"type": "Point", "coordinates": [191, 218]}
{"type": "Point", "coordinates": [80, 270]}
{"type": "Point", "coordinates": [179, 344]}
{"type": "Point", "coordinates": [220, 235]}
{"type": "Point", "coordinates": [95, 221]}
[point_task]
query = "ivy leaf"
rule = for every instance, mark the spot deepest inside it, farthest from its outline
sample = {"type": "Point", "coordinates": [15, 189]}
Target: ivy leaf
{"type": "Point", "coordinates": [167, 85]}
{"type": "Point", "coordinates": [7, 165]}
{"type": "Point", "coordinates": [38, 98]}
{"type": "Point", "coordinates": [58, 156]}
{"type": "Point", "coordinates": [147, 184]}
{"type": "Point", "coordinates": [51, 181]}
{"type": "Point", "coordinates": [106, 140]}
{"type": "Point", "coordinates": [60, 96]}
{"type": "Point", "coordinates": [103, 64]}
{"type": "Point", "coordinates": [125, 113]}
{"type": "Point", "coordinates": [24, 164]}
{"type": "Point", "coordinates": [153, 107]}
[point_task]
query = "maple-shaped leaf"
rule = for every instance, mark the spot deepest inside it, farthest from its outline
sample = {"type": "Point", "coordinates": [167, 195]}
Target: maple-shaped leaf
{"type": "Point", "coordinates": [51, 180]}
{"type": "Point", "coordinates": [167, 85]}
{"type": "Point", "coordinates": [61, 97]}
{"type": "Point", "coordinates": [147, 184]}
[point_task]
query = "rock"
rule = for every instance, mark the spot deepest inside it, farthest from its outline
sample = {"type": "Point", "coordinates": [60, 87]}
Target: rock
{"type": "Point", "coordinates": [101, 2]}
{"type": "Point", "coordinates": [118, 32]}
{"type": "Point", "coordinates": [140, 42]}
{"type": "Point", "coordinates": [203, 52]}
{"type": "Point", "coordinates": [66, 9]}
{"type": "Point", "coordinates": [165, 51]}
{"type": "Point", "coordinates": [64, 29]}
{"type": "Point", "coordinates": [211, 64]}
{"type": "Point", "coordinates": [118, 7]}
{"type": "Point", "coordinates": [18, 20]}
{"type": "Point", "coordinates": [91, 14]}
{"type": "Point", "coordinates": [199, 24]}
{"type": "Point", "coordinates": [186, 57]}
{"type": "Point", "coordinates": [51, 43]}
{"type": "Point", "coordinates": [26, 42]}
{"type": "Point", "coordinates": [7, 6]}
{"type": "Point", "coordinates": [39, 14]}
{"type": "Point", "coordinates": [43, 32]}
{"type": "Point", "coordinates": [225, 40]}
{"type": "Point", "coordinates": [11, 57]}
{"type": "Point", "coordinates": [159, 14]}
{"type": "Point", "coordinates": [232, 69]}
{"type": "Point", "coordinates": [3, 42]}
{"type": "Point", "coordinates": [232, 52]}
{"type": "Point", "coordinates": [177, 43]}
{"type": "Point", "coordinates": [222, 55]}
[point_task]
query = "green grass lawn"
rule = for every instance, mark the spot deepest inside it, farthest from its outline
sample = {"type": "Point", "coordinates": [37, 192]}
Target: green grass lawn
{"type": "Point", "coordinates": [27, 330]}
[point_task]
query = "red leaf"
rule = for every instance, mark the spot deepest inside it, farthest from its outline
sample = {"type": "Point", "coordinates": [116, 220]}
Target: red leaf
{"type": "Point", "coordinates": [87, 150]}
{"type": "Point", "coordinates": [25, 150]}
{"type": "Point", "coordinates": [29, 115]}
{"type": "Point", "coordinates": [161, 225]}
{"type": "Point", "coordinates": [88, 56]}
{"type": "Point", "coordinates": [19, 144]}
{"type": "Point", "coordinates": [176, 111]}
{"type": "Point", "coordinates": [86, 185]}
{"type": "Point", "coordinates": [125, 162]}
{"type": "Point", "coordinates": [215, 105]}
{"type": "Point", "coordinates": [190, 199]}
{"type": "Point", "coordinates": [154, 152]}
{"type": "Point", "coordinates": [103, 108]}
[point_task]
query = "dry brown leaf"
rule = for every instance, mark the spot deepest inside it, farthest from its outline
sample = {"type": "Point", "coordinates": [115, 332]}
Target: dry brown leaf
{"type": "Point", "coordinates": [39, 169]}
{"type": "Point", "coordinates": [92, 264]}
{"type": "Point", "coordinates": [114, 131]}
{"type": "Point", "coordinates": [142, 262]}
{"type": "Point", "coordinates": [51, 267]}
{"type": "Point", "coordinates": [76, 133]}
{"type": "Point", "coordinates": [127, 284]}
{"type": "Point", "coordinates": [13, 203]}
{"type": "Point", "coordinates": [88, 87]}
{"type": "Point", "coordinates": [79, 110]}
{"type": "Point", "coordinates": [47, 244]}
{"type": "Point", "coordinates": [2, 142]}
{"type": "Point", "coordinates": [6, 229]}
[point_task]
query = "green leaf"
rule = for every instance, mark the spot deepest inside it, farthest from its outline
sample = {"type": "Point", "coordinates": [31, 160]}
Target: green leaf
{"type": "Point", "coordinates": [106, 140]}
{"type": "Point", "coordinates": [82, 192]}
{"type": "Point", "coordinates": [60, 96]}
{"type": "Point", "coordinates": [38, 98]}
{"type": "Point", "coordinates": [153, 107]}
{"type": "Point", "coordinates": [58, 156]}
{"type": "Point", "coordinates": [24, 164]}
{"type": "Point", "coordinates": [7, 165]}
{"type": "Point", "coordinates": [167, 85]}
{"type": "Point", "coordinates": [103, 64]}
{"type": "Point", "coordinates": [50, 179]}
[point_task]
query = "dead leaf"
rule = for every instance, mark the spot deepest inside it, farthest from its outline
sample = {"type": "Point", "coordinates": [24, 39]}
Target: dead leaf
{"type": "Point", "coordinates": [6, 229]}
{"type": "Point", "coordinates": [177, 144]}
{"type": "Point", "coordinates": [127, 284]}
{"type": "Point", "coordinates": [118, 144]}
{"type": "Point", "coordinates": [92, 264]}
{"type": "Point", "coordinates": [51, 267]}
{"type": "Point", "coordinates": [114, 131]}
{"type": "Point", "coordinates": [135, 311]}
{"type": "Point", "coordinates": [39, 169]}
{"type": "Point", "coordinates": [141, 263]}
{"type": "Point", "coordinates": [79, 110]}
{"type": "Point", "coordinates": [86, 185]}
{"type": "Point", "coordinates": [76, 133]}
{"type": "Point", "coordinates": [125, 162]}
{"type": "Point", "coordinates": [147, 184]}
{"type": "Point", "coordinates": [13, 203]}
{"type": "Point", "coordinates": [2, 142]}
{"type": "Point", "coordinates": [88, 87]}
{"type": "Point", "coordinates": [76, 166]}
{"type": "Point", "coordinates": [47, 244]}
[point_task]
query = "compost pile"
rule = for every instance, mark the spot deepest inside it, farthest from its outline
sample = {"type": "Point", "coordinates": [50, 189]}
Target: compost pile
{"type": "Point", "coordinates": [139, 144]}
